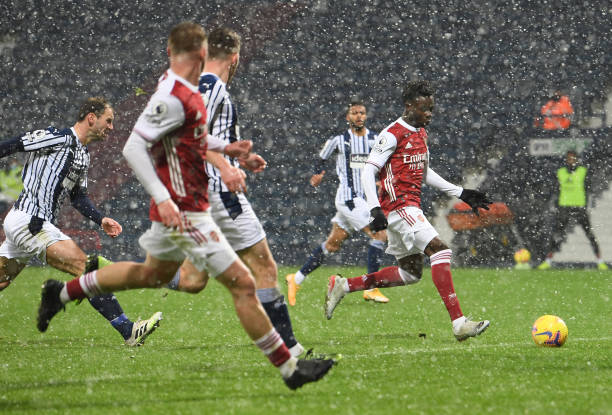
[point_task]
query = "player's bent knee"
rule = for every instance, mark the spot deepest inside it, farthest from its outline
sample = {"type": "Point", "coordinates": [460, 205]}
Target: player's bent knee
{"type": "Point", "coordinates": [410, 277]}
{"type": "Point", "coordinates": [333, 247]}
{"type": "Point", "coordinates": [246, 283]}
{"type": "Point", "coordinates": [269, 266]}
{"type": "Point", "coordinates": [193, 285]}
{"type": "Point", "coordinates": [412, 265]}
{"type": "Point", "coordinates": [244, 286]}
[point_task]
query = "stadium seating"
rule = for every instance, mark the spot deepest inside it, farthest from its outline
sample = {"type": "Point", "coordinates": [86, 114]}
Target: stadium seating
{"type": "Point", "coordinates": [492, 66]}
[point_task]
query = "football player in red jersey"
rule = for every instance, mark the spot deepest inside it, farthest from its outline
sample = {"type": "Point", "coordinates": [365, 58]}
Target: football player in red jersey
{"type": "Point", "coordinates": [230, 210]}
{"type": "Point", "coordinates": [401, 157]}
{"type": "Point", "coordinates": [167, 152]}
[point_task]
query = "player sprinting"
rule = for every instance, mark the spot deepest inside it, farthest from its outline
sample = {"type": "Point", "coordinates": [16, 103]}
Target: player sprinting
{"type": "Point", "coordinates": [352, 149]}
{"type": "Point", "coordinates": [56, 169]}
{"type": "Point", "coordinates": [232, 211]}
{"type": "Point", "coordinates": [167, 152]}
{"type": "Point", "coordinates": [401, 157]}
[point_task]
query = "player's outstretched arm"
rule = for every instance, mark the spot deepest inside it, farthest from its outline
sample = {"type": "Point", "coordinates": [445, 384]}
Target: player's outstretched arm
{"type": "Point", "coordinates": [476, 199]}
{"type": "Point", "coordinates": [435, 180]}
{"type": "Point", "coordinates": [11, 146]}
{"type": "Point", "coordinates": [81, 202]}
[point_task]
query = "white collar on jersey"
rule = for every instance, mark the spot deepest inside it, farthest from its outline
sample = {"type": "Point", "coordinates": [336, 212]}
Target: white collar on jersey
{"type": "Point", "coordinates": [405, 124]}
{"type": "Point", "coordinates": [365, 135]}
{"type": "Point", "coordinates": [188, 84]}
{"type": "Point", "coordinates": [77, 137]}
{"type": "Point", "coordinates": [74, 132]}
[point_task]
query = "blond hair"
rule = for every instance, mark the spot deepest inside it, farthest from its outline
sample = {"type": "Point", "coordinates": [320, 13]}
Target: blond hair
{"type": "Point", "coordinates": [186, 37]}
{"type": "Point", "coordinates": [223, 42]}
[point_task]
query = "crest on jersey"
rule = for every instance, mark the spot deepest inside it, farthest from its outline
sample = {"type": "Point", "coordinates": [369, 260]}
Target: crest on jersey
{"type": "Point", "coordinates": [160, 108]}
{"type": "Point", "coordinates": [408, 145]}
{"type": "Point", "coordinates": [156, 112]}
{"type": "Point", "coordinates": [380, 143]}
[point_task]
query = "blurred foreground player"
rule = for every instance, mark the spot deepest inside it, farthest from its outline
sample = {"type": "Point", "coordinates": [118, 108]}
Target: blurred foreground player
{"type": "Point", "coordinates": [167, 151]}
{"type": "Point", "coordinates": [56, 168]}
{"type": "Point", "coordinates": [231, 211]}
{"type": "Point", "coordinates": [402, 157]}
{"type": "Point", "coordinates": [352, 148]}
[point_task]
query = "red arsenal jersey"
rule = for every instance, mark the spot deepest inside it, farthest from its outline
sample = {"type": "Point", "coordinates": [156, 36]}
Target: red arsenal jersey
{"type": "Point", "coordinates": [174, 122]}
{"type": "Point", "coordinates": [402, 174]}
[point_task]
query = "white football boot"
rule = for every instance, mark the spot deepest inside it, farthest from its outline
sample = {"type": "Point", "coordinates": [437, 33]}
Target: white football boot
{"type": "Point", "coordinates": [470, 328]}
{"type": "Point", "coordinates": [335, 293]}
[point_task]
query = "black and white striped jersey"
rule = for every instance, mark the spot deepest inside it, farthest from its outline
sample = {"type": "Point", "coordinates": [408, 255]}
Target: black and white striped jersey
{"type": "Point", "coordinates": [56, 163]}
{"type": "Point", "coordinates": [222, 120]}
{"type": "Point", "coordinates": [352, 152]}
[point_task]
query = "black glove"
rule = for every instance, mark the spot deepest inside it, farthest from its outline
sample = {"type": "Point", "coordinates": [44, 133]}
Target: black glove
{"type": "Point", "coordinates": [475, 199]}
{"type": "Point", "coordinates": [379, 221]}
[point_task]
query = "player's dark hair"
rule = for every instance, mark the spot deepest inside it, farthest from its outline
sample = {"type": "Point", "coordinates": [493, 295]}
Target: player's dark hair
{"type": "Point", "coordinates": [574, 152]}
{"type": "Point", "coordinates": [415, 89]}
{"type": "Point", "coordinates": [223, 42]}
{"type": "Point", "coordinates": [186, 37]}
{"type": "Point", "coordinates": [97, 105]}
{"type": "Point", "coordinates": [354, 103]}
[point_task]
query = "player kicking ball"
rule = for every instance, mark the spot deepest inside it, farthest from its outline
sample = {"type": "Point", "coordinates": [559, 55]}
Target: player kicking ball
{"type": "Point", "coordinates": [401, 157]}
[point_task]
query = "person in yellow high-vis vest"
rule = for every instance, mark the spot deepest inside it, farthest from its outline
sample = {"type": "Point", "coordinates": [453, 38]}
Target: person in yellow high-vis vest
{"type": "Point", "coordinates": [572, 181]}
{"type": "Point", "coordinates": [10, 181]}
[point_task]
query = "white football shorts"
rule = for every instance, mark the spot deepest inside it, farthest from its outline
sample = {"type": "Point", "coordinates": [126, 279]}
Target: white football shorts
{"type": "Point", "coordinates": [201, 242]}
{"type": "Point", "coordinates": [243, 230]}
{"type": "Point", "coordinates": [21, 244]}
{"type": "Point", "coordinates": [408, 232]}
{"type": "Point", "coordinates": [352, 220]}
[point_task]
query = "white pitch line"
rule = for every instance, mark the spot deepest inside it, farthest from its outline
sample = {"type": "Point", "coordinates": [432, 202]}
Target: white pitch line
{"type": "Point", "coordinates": [457, 348]}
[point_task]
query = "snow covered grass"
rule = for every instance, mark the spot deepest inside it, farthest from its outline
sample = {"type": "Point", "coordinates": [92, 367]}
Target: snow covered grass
{"type": "Point", "coordinates": [399, 357]}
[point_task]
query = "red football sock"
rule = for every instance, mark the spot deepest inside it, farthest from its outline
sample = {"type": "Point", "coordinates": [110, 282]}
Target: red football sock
{"type": "Point", "coordinates": [443, 280]}
{"type": "Point", "coordinates": [84, 286]}
{"type": "Point", "coordinates": [386, 277]}
{"type": "Point", "coordinates": [274, 348]}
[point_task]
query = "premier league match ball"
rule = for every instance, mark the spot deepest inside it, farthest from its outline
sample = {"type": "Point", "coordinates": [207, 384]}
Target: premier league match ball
{"type": "Point", "coordinates": [549, 331]}
{"type": "Point", "coordinates": [522, 256]}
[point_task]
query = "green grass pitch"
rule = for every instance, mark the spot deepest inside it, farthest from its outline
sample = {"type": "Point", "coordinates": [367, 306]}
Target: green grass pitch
{"type": "Point", "coordinates": [200, 361]}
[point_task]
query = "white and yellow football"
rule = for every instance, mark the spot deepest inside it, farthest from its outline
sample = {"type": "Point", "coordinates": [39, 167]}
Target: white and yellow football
{"type": "Point", "coordinates": [522, 256]}
{"type": "Point", "coordinates": [549, 331]}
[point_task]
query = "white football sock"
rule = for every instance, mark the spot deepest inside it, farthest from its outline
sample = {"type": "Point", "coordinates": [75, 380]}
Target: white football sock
{"type": "Point", "coordinates": [287, 368]}
{"type": "Point", "coordinates": [299, 278]}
